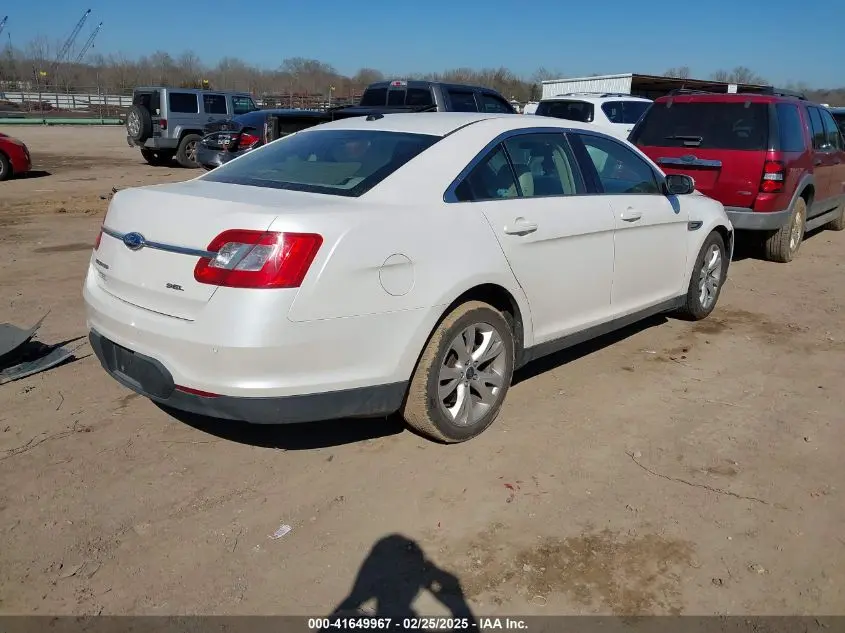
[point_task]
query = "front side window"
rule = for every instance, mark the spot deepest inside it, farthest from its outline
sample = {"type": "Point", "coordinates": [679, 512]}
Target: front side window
{"type": "Point", "coordinates": [619, 170]}
{"type": "Point", "coordinates": [183, 102]}
{"type": "Point", "coordinates": [627, 112]}
{"type": "Point", "coordinates": [462, 101]}
{"type": "Point", "coordinates": [490, 179]}
{"type": "Point", "coordinates": [243, 105]}
{"type": "Point", "coordinates": [570, 110]}
{"type": "Point", "coordinates": [214, 104]}
{"type": "Point", "coordinates": [544, 165]}
{"type": "Point", "coordinates": [336, 162]}
{"type": "Point", "coordinates": [492, 103]}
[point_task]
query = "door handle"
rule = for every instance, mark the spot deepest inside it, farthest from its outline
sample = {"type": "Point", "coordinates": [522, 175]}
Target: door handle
{"type": "Point", "coordinates": [520, 226]}
{"type": "Point", "coordinates": [631, 215]}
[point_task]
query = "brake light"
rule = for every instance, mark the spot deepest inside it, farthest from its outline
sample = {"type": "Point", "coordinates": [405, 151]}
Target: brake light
{"type": "Point", "coordinates": [774, 175]}
{"type": "Point", "coordinates": [99, 236]}
{"type": "Point", "coordinates": [247, 140]}
{"type": "Point", "coordinates": [258, 259]}
{"type": "Point", "coordinates": [162, 124]}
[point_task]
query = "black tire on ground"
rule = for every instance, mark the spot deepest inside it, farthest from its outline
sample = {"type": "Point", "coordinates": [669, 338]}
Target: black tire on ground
{"type": "Point", "coordinates": [705, 273]}
{"type": "Point", "coordinates": [782, 245]}
{"type": "Point", "coordinates": [839, 223]}
{"type": "Point", "coordinates": [139, 123]}
{"type": "Point", "coordinates": [158, 158]}
{"type": "Point", "coordinates": [5, 167]}
{"type": "Point", "coordinates": [186, 155]}
{"type": "Point", "coordinates": [429, 394]}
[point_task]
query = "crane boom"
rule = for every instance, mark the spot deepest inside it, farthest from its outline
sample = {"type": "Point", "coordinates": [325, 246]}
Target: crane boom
{"type": "Point", "coordinates": [89, 43]}
{"type": "Point", "coordinates": [70, 40]}
{"type": "Point", "coordinates": [3, 23]}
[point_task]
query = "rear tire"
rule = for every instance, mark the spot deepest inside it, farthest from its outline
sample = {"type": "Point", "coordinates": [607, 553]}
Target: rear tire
{"type": "Point", "coordinates": [706, 280]}
{"type": "Point", "coordinates": [157, 158]}
{"type": "Point", "coordinates": [186, 155]}
{"type": "Point", "coordinates": [5, 167]}
{"type": "Point", "coordinates": [463, 375]}
{"type": "Point", "coordinates": [782, 245]}
{"type": "Point", "coordinates": [839, 223]}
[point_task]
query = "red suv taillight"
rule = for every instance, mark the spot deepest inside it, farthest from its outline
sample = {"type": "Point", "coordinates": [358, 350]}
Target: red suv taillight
{"type": "Point", "coordinates": [774, 175]}
{"type": "Point", "coordinates": [99, 236]}
{"type": "Point", "coordinates": [162, 123]}
{"type": "Point", "coordinates": [258, 259]}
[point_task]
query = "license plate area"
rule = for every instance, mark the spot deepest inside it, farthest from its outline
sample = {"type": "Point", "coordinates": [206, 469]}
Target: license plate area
{"type": "Point", "coordinates": [136, 371]}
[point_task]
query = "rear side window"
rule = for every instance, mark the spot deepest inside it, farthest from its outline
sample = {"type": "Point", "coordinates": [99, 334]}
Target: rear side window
{"type": "Point", "coordinates": [183, 102]}
{"type": "Point", "coordinates": [491, 179]}
{"type": "Point", "coordinates": [790, 128]}
{"type": "Point", "coordinates": [336, 162]}
{"type": "Point", "coordinates": [816, 128]}
{"type": "Point", "coordinates": [462, 101]}
{"type": "Point", "coordinates": [570, 110]}
{"type": "Point", "coordinates": [374, 97]}
{"type": "Point", "coordinates": [706, 125]}
{"type": "Point", "coordinates": [839, 117]}
{"type": "Point", "coordinates": [492, 103]}
{"type": "Point", "coordinates": [214, 104]}
{"type": "Point", "coordinates": [832, 138]}
{"type": "Point", "coordinates": [419, 97]}
{"type": "Point", "coordinates": [628, 112]}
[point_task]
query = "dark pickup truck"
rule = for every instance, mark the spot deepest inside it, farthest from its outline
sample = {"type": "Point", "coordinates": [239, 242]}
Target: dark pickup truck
{"type": "Point", "coordinates": [225, 140]}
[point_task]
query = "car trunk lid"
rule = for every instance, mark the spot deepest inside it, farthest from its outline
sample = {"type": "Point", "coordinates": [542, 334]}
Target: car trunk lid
{"type": "Point", "coordinates": [153, 238]}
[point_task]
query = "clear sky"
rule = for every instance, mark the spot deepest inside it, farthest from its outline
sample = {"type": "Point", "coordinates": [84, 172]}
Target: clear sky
{"type": "Point", "coordinates": [772, 37]}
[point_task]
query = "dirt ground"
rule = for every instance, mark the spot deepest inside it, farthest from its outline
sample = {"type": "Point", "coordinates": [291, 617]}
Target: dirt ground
{"type": "Point", "coordinates": [671, 468]}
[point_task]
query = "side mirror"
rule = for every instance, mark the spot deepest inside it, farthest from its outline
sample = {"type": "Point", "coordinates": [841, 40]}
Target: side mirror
{"type": "Point", "coordinates": [678, 184]}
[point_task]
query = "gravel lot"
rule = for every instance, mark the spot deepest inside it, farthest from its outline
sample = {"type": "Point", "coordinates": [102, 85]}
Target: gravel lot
{"type": "Point", "coordinates": [670, 468]}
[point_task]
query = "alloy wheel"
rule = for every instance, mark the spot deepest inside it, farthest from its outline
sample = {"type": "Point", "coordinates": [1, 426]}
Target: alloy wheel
{"type": "Point", "coordinates": [710, 276]}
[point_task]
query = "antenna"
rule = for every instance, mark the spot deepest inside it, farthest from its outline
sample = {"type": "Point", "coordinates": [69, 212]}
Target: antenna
{"type": "Point", "coordinates": [89, 43]}
{"type": "Point", "coordinates": [72, 38]}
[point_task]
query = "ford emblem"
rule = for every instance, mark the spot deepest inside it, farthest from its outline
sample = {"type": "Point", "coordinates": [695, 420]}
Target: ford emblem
{"type": "Point", "coordinates": [134, 241]}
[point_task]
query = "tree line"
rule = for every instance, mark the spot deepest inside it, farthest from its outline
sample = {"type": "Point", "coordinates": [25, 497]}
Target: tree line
{"type": "Point", "coordinates": [34, 67]}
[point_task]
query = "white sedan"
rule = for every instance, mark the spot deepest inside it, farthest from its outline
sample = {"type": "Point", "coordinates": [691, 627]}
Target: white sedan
{"type": "Point", "coordinates": [401, 263]}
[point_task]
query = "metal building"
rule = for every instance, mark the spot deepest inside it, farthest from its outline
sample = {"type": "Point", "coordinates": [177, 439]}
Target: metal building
{"type": "Point", "coordinates": [650, 86]}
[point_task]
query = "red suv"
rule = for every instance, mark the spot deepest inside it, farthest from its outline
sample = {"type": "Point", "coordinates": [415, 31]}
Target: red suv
{"type": "Point", "coordinates": [776, 162]}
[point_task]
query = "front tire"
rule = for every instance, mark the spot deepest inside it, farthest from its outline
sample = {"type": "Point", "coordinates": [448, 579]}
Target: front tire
{"type": "Point", "coordinates": [839, 223]}
{"type": "Point", "coordinates": [782, 245]}
{"type": "Point", "coordinates": [186, 155]}
{"type": "Point", "coordinates": [708, 276]}
{"type": "Point", "coordinates": [463, 375]}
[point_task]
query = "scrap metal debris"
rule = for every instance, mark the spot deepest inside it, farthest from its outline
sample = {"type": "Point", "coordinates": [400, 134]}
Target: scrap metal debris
{"type": "Point", "coordinates": [21, 357]}
{"type": "Point", "coordinates": [110, 195]}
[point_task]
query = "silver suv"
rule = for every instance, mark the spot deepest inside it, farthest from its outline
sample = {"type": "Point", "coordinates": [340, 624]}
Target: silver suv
{"type": "Point", "coordinates": [168, 122]}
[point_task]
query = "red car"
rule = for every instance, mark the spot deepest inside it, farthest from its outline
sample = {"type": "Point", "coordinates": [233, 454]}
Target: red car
{"type": "Point", "coordinates": [14, 157]}
{"type": "Point", "coordinates": [777, 162]}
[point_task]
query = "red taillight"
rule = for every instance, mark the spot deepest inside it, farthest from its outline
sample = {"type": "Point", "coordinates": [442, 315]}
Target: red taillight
{"type": "Point", "coordinates": [247, 140]}
{"type": "Point", "coordinates": [774, 175]}
{"type": "Point", "coordinates": [258, 259]}
{"type": "Point", "coordinates": [99, 237]}
{"type": "Point", "coordinates": [162, 124]}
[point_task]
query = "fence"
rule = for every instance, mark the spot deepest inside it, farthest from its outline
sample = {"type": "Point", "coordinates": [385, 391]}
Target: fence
{"type": "Point", "coordinates": [53, 102]}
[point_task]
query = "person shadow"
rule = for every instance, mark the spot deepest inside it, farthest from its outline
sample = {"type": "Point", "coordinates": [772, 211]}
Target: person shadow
{"type": "Point", "coordinates": [394, 573]}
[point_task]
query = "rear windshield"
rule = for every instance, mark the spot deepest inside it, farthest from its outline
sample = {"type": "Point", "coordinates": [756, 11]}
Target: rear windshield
{"type": "Point", "coordinates": [374, 97]}
{"type": "Point", "coordinates": [251, 120]}
{"type": "Point", "coordinates": [336, 162]}
{"type": "Point", "coordinates": [625, 111]}
{"type": "Point", "coordinates": [570, 110]}
{"type": "Point", "coordinates": [148, 100]}
{"type": "Point", "coordinates": [730, 126]}
{"type": "Point", "coordinates": [401, 96]}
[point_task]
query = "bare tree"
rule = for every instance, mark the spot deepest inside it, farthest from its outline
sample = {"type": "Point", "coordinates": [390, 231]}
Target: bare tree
{"type": "Point", "coordinates": [682, 72]}
{"type": "Point", "coordinates": [743, 75]}
{"type": "Point", "coordinates": [721, 75]}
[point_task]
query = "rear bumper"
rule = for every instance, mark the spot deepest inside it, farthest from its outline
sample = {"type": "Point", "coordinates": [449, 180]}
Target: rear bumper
{"type": "Point", "coordinates": [154, 143]}
{"type": "Point", "coordinates": [750, 220]}
{"type": "Point", "coordinates": [213, 158]}
{"type": "Point", "coordinates": [149, 377]}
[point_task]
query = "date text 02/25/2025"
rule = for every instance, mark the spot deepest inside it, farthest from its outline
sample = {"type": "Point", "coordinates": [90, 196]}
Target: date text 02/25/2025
{"type": "Point", "coordinates": [417, 624]}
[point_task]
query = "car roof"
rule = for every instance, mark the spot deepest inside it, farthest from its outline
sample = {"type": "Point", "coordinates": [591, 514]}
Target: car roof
{"type": "Point", "coordinates": [443, 123]}
{"type": "Point", "coordinates": [734, 97]}
{"type": "Point", "coordinates": [197, 90]}
{"type": "Point", "coordinates": [596, 98]}
{"type": "Point", "coordinates": [838, 110]}
{"type": "Point", "coordinates": [425, 83]}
